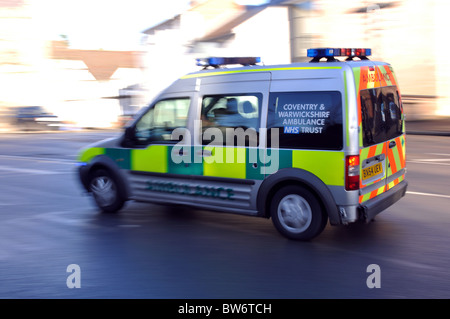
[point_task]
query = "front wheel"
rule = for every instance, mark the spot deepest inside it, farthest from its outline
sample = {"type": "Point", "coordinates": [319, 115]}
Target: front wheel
{"type": "Point", "coordinates": [105, 189]}
{"type": "Point", "coordinates": [297, 214]}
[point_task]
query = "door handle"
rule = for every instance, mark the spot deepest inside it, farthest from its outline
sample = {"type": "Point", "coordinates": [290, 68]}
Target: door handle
{"type": "Point", "coordinates": [204, 153]}
{"type": "Point", "coordinates": [378, 158]}
{"type": "Point", "coordinates": [181, 152]}
{"type": "Point", "coordinates": [392, 144]}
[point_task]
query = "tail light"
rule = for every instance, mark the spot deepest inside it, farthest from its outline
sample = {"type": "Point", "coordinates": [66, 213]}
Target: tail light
{"type": "Point", "coordinates": [352, 172]}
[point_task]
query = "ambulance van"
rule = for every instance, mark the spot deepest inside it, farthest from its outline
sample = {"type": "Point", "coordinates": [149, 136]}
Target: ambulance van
{"type": "Point", "coordinates": [303, 144]}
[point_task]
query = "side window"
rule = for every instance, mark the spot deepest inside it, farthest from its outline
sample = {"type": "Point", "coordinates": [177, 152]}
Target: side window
{"type": "Point", "coordinates": [381, 115]}
{"type": "Point", "coordinates": [231, 120]}
{"type": "Point", "coordinates": [310, 120]}
{"type": "Point", "coordinates": [394, 112]}
{"type": "Point", "coordinates": [160, 120]}
{"type": "Point", "coordinates": [372, 117]}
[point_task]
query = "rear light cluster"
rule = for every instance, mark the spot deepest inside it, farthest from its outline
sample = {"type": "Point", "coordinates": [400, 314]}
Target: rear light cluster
{"type": "Point", "coordinates": [352, 172]}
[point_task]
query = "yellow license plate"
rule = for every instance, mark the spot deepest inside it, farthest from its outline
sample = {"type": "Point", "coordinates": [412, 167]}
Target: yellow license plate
{"type": "Point", "coordinates": [371, 171]}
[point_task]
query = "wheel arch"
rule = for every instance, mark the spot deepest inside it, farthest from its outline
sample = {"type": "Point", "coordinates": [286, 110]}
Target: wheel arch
{"type": "Point", "coordinates": [296, 176]}
{"type": "Point", "coordinates": [106, 163]}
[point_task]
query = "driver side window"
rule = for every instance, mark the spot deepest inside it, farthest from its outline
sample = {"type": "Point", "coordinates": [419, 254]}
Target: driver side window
{"type": "Point", "coordinates": [159, 121]}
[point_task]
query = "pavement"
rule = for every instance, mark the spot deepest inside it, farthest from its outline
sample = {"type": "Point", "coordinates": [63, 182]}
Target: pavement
{"type": "Point", "coordinates": [439, 126]}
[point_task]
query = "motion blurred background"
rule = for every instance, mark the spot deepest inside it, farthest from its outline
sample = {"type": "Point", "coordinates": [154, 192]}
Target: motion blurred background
{"type": "Point", "coordinates": [94, 63]}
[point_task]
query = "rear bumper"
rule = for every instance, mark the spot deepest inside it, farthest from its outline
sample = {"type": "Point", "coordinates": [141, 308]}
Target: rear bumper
{"type": "Point", "coordinates": [374, 206]}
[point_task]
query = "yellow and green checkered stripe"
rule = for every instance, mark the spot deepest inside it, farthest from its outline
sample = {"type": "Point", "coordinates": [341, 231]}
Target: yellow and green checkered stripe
{"type": "Point", "coordinates": [395, 182]}
{"type": "Point", "coordinates": [397, 160]}
{"type": "Point", "coordinates": [88, 154]}
{"type": "Point", "coordinates": [227, 162]}
{"type": "Point", "coordinates": [369, 152]}
{"type": "Point", "coordinates": [397, 155]}
{"type": "Point", "coordinates": [372, 194]}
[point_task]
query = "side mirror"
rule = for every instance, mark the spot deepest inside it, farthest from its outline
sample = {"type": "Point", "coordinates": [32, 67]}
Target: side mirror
{"type": "Point", "coordinates": [129, 133]}
{"type": "Point", "coordinates": [128, 136]}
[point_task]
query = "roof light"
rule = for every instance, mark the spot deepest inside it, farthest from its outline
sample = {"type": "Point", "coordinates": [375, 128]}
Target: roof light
{"type": "Point", "coordinates": [219, 61]}
{"type": "Point", "coordinates": [331, 53]}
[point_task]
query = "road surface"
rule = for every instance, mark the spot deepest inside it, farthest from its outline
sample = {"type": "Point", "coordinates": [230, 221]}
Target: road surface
{"type": "Point", "coordinates": [148, 251]}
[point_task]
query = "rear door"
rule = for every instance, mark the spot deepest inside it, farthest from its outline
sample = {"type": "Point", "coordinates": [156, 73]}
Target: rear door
{"type": "Point", "coordinates": [382, 141]}
{"type": "Point", "coordinates": [396, 151]}
{"type": "Point", "coordinates": [373, 153]}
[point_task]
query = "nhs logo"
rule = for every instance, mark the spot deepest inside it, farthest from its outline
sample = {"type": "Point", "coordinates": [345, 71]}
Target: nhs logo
{"type": "Point", "coordinates": [291, 130]}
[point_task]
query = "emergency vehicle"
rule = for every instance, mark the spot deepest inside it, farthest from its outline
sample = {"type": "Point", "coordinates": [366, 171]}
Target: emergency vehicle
{"type": "Point", "coordinates": [302, 144]}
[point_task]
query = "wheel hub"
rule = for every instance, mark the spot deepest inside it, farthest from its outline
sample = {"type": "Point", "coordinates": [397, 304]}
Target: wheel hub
{"type": "Point", "coordinates": [294, 213]}
{"type": "Point", "coordinates": [104, 190]}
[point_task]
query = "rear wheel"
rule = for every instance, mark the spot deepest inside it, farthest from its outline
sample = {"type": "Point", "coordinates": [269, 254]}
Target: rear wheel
{"type": "Point", "coordinates": [297, 214]}
{"type": "Point", "coordinates": [106, 191]}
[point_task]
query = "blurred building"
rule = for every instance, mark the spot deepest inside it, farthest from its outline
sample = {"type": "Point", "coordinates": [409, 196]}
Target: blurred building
{"type": "Point", "coordinates": [214, 28]}
{"type": "Point", "coordinates": [92, 82]}
{"type": "Point", "coordinates": [95, 88]}
{"type": "Point", "coordinates": [20, 57]}
{"type": "Point", "coordinates": [410, 34]}
{"type": "Point", "coordinates": [80, 86]}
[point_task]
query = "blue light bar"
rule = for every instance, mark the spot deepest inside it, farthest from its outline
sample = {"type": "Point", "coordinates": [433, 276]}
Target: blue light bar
{"type": "Point", "coordinates": [322, 52]}
{"type": "Point", "coordinates": [219, 61]}
{"type": "Point", "coordinates": [333, 52]}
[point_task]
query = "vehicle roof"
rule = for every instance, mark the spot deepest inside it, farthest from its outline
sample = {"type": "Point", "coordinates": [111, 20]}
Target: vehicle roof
{"type": "Point", "coordinates": [280, 68]}
{"type": "Point", "coordinates": [317, 70]}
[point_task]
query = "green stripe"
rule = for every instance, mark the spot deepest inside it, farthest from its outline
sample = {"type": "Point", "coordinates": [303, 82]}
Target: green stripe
{"type": "Point", "coordinates": [199, 75]}
{"type": "Point", "coordinates": [380, 148]}
{"type": "Point", "coordinates": [396, 159]}
{"type": "Point", "coordinates": [356, 75]}
{"type": "Point", "coordinates": [152, 159]}
{"type": "Point", "coordinates": [254, 167]}
{"type": "Point", "coordinates": [188, 166]}
{"type": "Point", "coordinates": [227, 162]}
{"type": "Point", "coordinates": [403, 146]}
{"type": "Point", "coordinates": [121, 156]}
{"type": "Point", "coordinates": [365, 197]}
{"type": "Point", "coordinates": [364, 153]}
{"type": "Point", "coordinates": [87, 155]}
{"type": "Point", "coordinates": [328, 166]}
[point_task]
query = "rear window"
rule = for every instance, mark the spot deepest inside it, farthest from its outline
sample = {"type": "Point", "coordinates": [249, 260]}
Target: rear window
{"type": "Point", "coordinates": [309, 120]}
{"type": "Point", "coordinates": [381, 115]}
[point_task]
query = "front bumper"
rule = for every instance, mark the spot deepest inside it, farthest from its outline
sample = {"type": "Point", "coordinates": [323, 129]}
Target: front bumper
{"type": "Point", "coordinates": [372, 207]}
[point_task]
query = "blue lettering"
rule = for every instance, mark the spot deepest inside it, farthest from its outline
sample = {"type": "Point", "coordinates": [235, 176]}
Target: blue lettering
{"type": "Point", "coordinates": [291, 130]}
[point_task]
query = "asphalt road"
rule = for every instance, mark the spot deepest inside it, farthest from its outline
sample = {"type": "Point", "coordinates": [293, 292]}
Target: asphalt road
{"type": "Point", "coordinates": [149, 251]}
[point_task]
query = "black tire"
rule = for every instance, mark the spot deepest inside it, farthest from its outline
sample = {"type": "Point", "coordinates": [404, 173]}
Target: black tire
{"type": "Point", "coordinates": [297, 214]}
{"type": "Point", "coordinates": [106, 191]}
